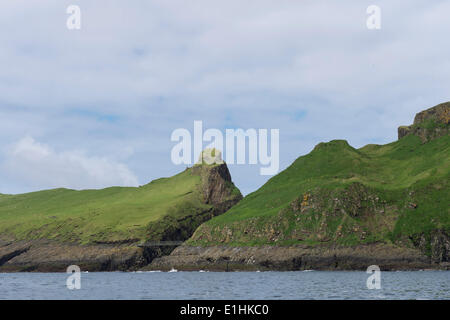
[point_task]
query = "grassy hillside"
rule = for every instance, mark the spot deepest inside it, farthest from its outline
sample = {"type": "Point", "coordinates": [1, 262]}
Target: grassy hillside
{"type": "Point", "coordinates": [108, 215]}
{"type": "Point", "coordinates": [337, 194]}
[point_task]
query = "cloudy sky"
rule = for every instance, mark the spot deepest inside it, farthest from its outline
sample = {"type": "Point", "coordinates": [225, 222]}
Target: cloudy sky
{"type": "Point", "coordinates": [96, 107]}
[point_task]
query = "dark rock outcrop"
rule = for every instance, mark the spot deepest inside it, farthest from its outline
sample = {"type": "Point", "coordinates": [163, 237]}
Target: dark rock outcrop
{"type": "Point", "coordinates": [300, 257]}
{"type": "Point", "coordinates": [440, 246]}
{"type": "Point", "coordinates": [218, 191]}
{"type": "Point", "coordinates": [429, 124]}
{"type": "Point", "coordinates": [435, 244]}
{"type": "Point", "coordinates": [51, 256]}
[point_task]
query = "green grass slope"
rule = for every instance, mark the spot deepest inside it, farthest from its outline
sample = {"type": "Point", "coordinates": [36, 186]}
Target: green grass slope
{"type": "Point", "coordinates": [337, 194]}
{"type": "Point", "coordinates": [110, 215]}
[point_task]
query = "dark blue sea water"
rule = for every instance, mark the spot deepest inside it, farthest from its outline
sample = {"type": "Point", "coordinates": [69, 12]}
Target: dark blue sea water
{"type": "Point", "coordinates": [227, 285]}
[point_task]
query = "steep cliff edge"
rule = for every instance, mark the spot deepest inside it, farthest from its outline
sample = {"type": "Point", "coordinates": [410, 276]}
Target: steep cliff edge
{"type": "Point", "coordinates": [340, 208]}
{"type": "Point", "coordinates": [110, 229]}
{"type": "Point", "coordinates": [429, 124]}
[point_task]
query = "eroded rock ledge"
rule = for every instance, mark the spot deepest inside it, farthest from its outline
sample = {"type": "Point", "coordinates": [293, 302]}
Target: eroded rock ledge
{"type": "Point", "coordinates": [50, 256]}
{"type": "Point", "coordinates": [429, 124]}
{"type": "Point", "coordinates": [222, 258]}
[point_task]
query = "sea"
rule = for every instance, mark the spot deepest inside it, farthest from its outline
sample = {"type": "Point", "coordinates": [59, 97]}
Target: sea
{"type": "Point", "coordinates": [308, 284]}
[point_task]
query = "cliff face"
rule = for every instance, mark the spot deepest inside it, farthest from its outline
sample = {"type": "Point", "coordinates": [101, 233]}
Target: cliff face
{"type": "Point", "coordinates": [291, 258]}
{"type": "Point", "coordinates": [153, 220]}
{"type": "Point", "coordinates": [217, 192]}
{"type": "Point", "coordinates": [340, 208]}
{"type": "Point", "coordinates": [429, 124]}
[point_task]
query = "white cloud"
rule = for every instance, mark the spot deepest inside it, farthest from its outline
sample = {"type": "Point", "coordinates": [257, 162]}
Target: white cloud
{"type": "Point", "coordinates": [38, 165]}
{"type": "Point", "coordinates": [310, 68]}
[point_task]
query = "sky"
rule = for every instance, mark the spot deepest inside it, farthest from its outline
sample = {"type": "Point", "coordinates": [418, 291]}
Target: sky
{"type": "Point", "coordinates": [95, 107]}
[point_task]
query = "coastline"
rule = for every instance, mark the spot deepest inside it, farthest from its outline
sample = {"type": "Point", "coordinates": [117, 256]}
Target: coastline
{"type": "Point", "coordinates": [293, 258]}
{"type": "Point", "coordinates": [48, 256]}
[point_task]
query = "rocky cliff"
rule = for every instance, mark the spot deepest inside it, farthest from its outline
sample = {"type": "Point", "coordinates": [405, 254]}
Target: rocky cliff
{"type": "Point", "coordinates": [111, 229]}
{"type": "Point", "coordinates": [291, 258]}
{"type": "Point", "coordinates": [429, 124]}
{"type": "Point", "coordinates": [340, 208]}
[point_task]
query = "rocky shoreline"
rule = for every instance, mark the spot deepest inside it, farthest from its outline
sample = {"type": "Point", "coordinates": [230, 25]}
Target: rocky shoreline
{"type": "Point", "coordinates": [48, 256]}
{"type": "Point", "coordinates": [274, 258]}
